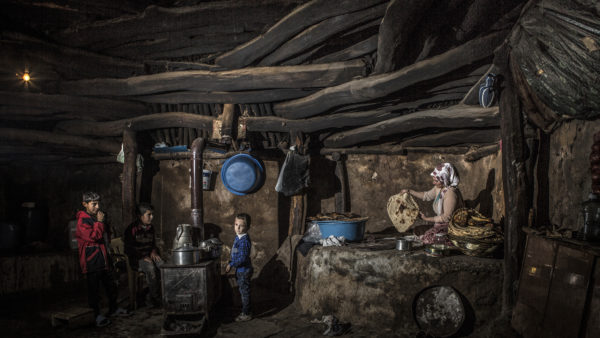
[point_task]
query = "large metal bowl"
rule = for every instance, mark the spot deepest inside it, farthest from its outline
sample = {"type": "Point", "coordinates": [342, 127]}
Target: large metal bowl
{"type": "Point", "coordinates": [187, 255]}
{"type": "Point", "coordinates": [439, 311]}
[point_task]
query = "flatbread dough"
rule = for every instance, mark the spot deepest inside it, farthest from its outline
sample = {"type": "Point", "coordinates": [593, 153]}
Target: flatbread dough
{"type": "Point", "coordinates": [403, 211]}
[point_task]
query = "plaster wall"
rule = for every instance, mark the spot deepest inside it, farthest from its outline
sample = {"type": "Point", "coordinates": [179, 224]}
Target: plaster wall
{"type": "Point", "coordinates": [569, 177]}
{"type": "Point", "coordinates": [373, 179]}
{"type": "Point", "coordinates": [171, 198]}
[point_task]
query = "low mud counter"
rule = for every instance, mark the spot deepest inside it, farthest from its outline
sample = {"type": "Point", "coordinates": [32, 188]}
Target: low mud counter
{"type": "Point", "coordinates": [377, 287]}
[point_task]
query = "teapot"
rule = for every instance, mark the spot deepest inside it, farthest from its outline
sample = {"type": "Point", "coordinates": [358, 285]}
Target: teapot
{"type": "Point", "coordinates": [183, 236]}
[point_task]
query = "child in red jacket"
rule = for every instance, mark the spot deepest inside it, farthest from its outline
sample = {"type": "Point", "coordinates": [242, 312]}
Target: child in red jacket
{"type": "Point", "coordinates": [92, 237]}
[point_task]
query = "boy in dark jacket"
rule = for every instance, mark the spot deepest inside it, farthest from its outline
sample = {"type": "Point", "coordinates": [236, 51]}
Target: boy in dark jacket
{"type": "Point", "coordinates": [92, 237]}
{"type": "Point", "coordinates": [240, 260]}
{"type": "Point", "coordinates": [140, 247]}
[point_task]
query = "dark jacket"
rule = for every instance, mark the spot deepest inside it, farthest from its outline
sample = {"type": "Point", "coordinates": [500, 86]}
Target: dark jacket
{"type": "Point", "coordinates": [91, 243]}
{"type": "Point", "coordinates": [240, 253]}
{"type": "Point", "coordinates": [139, 242]}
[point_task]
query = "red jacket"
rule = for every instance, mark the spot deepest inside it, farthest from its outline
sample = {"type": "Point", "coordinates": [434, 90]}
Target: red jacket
{"type": "Point", "coordinates": [91, 243]}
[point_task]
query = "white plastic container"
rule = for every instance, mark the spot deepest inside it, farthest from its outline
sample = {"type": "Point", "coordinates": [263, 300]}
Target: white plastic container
{"type": "Point", "coordinates": [206, 178]}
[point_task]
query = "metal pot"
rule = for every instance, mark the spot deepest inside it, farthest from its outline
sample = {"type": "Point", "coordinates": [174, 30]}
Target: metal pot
{"type": "Point", "coordinates": [403, 244]}
{"type": "Point", "coordinates": [187, 255]}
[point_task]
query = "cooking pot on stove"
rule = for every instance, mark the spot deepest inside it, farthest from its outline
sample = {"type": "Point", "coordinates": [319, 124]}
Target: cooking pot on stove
{"type": "Point", "coordinates": [187, 255]}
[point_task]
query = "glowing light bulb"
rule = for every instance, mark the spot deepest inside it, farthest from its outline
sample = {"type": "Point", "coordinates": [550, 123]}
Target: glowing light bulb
{"type": "Point", "coordinates": [26, 77]}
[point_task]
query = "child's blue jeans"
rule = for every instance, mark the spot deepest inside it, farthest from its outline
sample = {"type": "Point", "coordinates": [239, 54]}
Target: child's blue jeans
{"type": "Point", "coordinates": [243, 281]}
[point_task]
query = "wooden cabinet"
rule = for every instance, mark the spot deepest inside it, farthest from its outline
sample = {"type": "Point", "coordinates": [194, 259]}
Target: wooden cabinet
{"type": "Point", "coordinates": [559, 290]}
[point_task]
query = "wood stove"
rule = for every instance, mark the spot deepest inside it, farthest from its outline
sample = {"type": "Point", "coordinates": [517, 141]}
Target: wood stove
{"type": "Point", "coordinates": [189, 291]}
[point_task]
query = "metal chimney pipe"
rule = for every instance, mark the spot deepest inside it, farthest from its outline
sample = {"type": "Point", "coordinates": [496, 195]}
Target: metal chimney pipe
{"type": "Point", "coordinates": [196, 191]}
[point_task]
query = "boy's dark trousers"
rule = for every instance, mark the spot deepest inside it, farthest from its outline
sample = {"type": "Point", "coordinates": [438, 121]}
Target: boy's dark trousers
{"type": "Point", "coordinates": [243, 281]}
{"type": "Point", "coordinates": [94, 279]}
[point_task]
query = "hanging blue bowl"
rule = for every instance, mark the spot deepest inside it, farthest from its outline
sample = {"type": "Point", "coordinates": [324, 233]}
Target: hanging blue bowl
{"type": "Point", "coordinates": [242, 174]}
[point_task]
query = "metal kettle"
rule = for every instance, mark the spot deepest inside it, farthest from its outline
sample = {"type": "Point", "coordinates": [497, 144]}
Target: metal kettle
{"type": "Point", "coordinates": [183, 236]}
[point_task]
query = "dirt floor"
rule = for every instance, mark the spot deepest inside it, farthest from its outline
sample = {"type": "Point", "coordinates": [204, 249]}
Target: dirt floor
{"type": "Point", "coordinates": [274, 316]}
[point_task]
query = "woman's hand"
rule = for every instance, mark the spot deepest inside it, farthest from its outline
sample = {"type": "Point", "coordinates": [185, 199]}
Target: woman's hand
{"type": "Point", "coordinates": [425, 218]}
{"type": "Point", "coordinates": [404, 191]}
{"type": "Point", "coordinates": [228, 268]}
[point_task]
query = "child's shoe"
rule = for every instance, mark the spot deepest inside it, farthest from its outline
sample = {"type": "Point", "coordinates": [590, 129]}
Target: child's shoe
{"type": "Point", "coordinates": [102, 321]}
{"type": "Point", "coordinates": [243, 317]}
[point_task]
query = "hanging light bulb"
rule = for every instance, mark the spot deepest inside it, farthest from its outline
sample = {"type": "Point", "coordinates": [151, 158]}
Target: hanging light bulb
{"type": "Point", "coordinates": [26, 77]}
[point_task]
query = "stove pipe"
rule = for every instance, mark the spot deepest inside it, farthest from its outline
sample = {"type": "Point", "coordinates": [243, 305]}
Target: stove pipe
{"type": "Point", "coordinates": [196, 191]}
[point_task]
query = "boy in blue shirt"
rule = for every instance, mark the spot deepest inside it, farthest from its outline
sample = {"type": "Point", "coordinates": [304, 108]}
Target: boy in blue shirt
{"type": "Point", "coordinates": [240, 259]}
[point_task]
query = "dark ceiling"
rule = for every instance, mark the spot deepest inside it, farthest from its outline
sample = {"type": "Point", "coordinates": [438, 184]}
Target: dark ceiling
{"type": "Point", "coordinates": [356, 74]}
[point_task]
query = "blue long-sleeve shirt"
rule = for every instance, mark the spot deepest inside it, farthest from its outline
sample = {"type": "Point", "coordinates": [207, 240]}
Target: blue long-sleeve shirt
{"type": "Point", "coordinates": [240, 253]}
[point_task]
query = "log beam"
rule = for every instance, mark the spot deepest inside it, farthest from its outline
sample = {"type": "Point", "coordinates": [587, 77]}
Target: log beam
{"type": "Point", "coordinates": [340, 120]}
{"type": "Point", "coordinates": [454, 137]}
{"type": "Point", "coordinates": [305, 76]}
{"type": "Point", "coordinates": [88, 108]}
{"type": "Point", "coordinates": [378, 86]}
{"type": "Point", "coordinates": [304, 16]}
{"type": "Point", "coordinates": [250, 96]}
{"type": "Point", "coordinates": [357, 50]}
{"type": "Point", "coordinates": [401, 18]}
{"type": "Point", "coordinates": [454, 117]}
{"type": "Point", "coordinates": [39, 136]}
{"type": "Point", "coordinates": [320, 32]}
{"type": "Point", "coordinates": [146, 122]}
{"type": "Point", "coordinates": [477, 153]}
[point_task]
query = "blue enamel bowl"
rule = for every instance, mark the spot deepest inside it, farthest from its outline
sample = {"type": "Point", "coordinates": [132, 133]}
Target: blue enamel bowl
{"type": "Point", "coordinates": [353, 231]}
{"type": "Point", "coordinates": [242, 174]}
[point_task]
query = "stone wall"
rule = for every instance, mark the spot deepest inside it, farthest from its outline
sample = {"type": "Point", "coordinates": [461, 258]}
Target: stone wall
{"type": "Point", "coordinates": [377, 288]}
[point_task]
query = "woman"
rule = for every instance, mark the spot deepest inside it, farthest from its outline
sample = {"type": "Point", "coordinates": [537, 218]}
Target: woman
{"type": "Point", "coordinates": [446, 198]}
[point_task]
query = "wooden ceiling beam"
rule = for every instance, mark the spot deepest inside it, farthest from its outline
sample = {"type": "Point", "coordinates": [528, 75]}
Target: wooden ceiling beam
{"type": "Point", "coordinates": [455, 117]}
{"type": "Point", "coordinates": [379, 86]}
{"type": "Point", "coordinates": [146, 122]}
{"type": "Point", "coordinates": [320, 32]}
{"type": "Point", "coordinates": [88, 108]}
{"type": "Point", "coordinates": [30, 136]}
{"type": "Point", "coordinates": [301, 18]}
{"type": "Point", "coordinates": [306, 76]}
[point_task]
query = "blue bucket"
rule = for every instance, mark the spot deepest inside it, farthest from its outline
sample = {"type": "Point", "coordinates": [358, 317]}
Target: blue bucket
{"type": "Point", "coordinates": [351, 230]}
{"type": "Point", "coordinates": [242, 174]}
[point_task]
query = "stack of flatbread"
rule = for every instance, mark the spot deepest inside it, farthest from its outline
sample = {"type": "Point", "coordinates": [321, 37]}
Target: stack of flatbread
{"type": "Point", "coordinates": [403, 211]}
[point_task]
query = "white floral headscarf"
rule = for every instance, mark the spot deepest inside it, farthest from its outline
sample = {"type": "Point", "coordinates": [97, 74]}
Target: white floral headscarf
{"type": "Point", "coordinates": [446, 174]}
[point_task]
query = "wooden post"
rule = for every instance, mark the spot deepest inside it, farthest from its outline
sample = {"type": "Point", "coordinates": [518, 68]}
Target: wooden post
{"type": "Point", "coordinates": [297, 202]}
{"type": "Point", "coordinates": [514, 177]}
{"type": "Point", "coordinates": [341, 197]}
{"type": "Point", "coordinates": [129, 171]}
{"type": "Point", "coordinates": [227, 124]}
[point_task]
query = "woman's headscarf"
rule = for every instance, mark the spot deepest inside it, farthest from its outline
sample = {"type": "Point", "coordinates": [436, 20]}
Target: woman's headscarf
{"type": "Point", "coordinates": [446, 174]}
